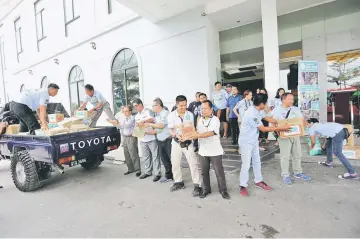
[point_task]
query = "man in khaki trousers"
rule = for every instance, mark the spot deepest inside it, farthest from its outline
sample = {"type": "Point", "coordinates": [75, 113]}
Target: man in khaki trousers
{"type": "Point", "coordinates": [289, 147]}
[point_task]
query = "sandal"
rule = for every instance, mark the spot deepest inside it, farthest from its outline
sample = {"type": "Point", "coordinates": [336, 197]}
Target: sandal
{"type": "Point", "coordinates": [326, 164]}
{"type": "Point", "coordinates": [349, 176]}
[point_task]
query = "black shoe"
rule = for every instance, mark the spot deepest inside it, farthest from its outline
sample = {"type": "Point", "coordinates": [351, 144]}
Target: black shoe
{"type": "Point", "coordinates": [177, 186]}
{"type": "Point", "coordinates": [196, 149]}
{"type": "Point", "coordinates": [126, 173]}
{"type": "Point", "coordinates": [1, 187]}
{"type": "Point", "coordinates": [138, 174]}
{"type": "Point", "coordinates": [197, 191]}
{"type": "Point", "coordinates": [225, 195]}
{"type": "Point", "coordinates": [144, 176]}
{"type": "Point", "coordinates": [204, 194]}
{"type": "Point", "coordinates": [156, 178]}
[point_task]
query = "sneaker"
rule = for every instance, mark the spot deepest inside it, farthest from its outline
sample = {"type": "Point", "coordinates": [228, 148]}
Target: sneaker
{"type": "Point", "coordinates": [302, 176]}
{"type": "Point", "coordinates": [166, 180]}
{"type": "Point", "coordinates": [287, 180]}
{"type": "Point", "coordinates": [197, 191]}
{"type": "Point", "coordinates": [349, 176]}
{"type": "Point", "coordinates": [264, 186]}
{"type": "Point", "coordinates": [243, 191]}
{"type": "Point", "coordinates": [177, 186]}
{"type": "Point", "coordinates": [326, 164]}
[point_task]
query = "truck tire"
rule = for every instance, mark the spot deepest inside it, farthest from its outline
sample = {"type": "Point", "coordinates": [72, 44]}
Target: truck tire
{"type": "Point", "coordinates": [24, 172]}
{"type": "Point", "coordinates": [93, 162]}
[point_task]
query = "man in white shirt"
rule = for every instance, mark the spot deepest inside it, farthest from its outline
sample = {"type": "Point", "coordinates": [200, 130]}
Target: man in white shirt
{"type": "Point", "coordinates": [29, 102]}
{"type": "Point", "coordinates": [289, 146]}
{"type": "Point", "coordinates": [99, 103]}
{"type": "Point", "coordinates": [220, 97]}
{"type": "Point", "coordinates": [148, 144]}
{"type": "Point", "coordinates": [176, 121]}
{"type": "Point", "coordinates": [335, 134]}
{"type": "Point", "coordinates": [211, 149]}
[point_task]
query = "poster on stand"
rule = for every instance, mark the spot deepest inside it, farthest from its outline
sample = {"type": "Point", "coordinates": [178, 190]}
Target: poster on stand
{"type": "Point", "coordinates": [308, 89]}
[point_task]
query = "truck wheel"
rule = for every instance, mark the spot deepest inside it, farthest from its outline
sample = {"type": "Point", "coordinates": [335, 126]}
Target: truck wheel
{"type": "Point", "coordinates": [93, 162]}
{"type": "Point", "coordinates": [24, 172]}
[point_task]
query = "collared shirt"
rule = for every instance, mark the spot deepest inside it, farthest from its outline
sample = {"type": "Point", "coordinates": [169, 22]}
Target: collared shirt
{"type": "Point", "coordinates": [280, 112]}
{"type": "Point", "coordinates": [243, 105]}
{"type": "Point", "coordinates": [210, 146]}
{"type": "Point", "coordinates": [231, 103]}
{"type": "Point", "coordinates": [276, 102]}
{"type": "Point", "coordinates": [142, 116]}
{"type": "Point", "coordinates": [175, 121]}
{"type": "Point", "coordinates": [34, 98]}
{"type": "Point", "coordinates": [94, 100]}
{"type": "Point", "coordinates": [127, 126]}
{"type": "Point", "coordinates": [251, 120]}
{"type": "Point", "coordinates": [220, 99]}
{"type": "Point", "coordinates": [162, 117]}
{"type": "Point", "coordinates": [328, 130]}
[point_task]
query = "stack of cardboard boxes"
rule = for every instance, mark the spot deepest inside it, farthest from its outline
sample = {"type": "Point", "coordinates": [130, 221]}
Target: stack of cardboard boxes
{"type": "Point", "coordinates": [349, 149]}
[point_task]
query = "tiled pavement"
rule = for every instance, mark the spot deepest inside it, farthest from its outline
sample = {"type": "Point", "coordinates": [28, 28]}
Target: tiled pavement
{"type": "Point", "coordinates": [232, 159]}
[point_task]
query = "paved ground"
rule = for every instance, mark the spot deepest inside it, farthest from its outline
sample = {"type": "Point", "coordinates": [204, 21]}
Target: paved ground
{"type": "Point", "coordinates": [104, 203]}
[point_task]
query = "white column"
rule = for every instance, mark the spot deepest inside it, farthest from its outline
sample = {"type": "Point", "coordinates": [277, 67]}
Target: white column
{"type": "Point", "coordinates": [270, 46]}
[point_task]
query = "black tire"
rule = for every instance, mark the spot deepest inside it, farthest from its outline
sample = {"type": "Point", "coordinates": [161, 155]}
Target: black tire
{"type": "Point", "coordinates": [93, 162]}
{"type": "Point", "coordinates": [31, 181]}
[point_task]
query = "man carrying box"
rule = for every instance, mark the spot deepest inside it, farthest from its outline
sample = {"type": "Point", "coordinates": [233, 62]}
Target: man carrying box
{"type": "Point", "coordinates": [30, 101]}
{"type": "Point", "coordinates": [99, 102]}
{"type": "Point", "coordinates": [289, 146]}
{"type": "Point", "coordinates": [335, 134]}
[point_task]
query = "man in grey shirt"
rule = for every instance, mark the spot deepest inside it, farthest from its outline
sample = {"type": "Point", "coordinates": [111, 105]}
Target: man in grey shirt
{"type": "Point", "coordinates": [99, 102]}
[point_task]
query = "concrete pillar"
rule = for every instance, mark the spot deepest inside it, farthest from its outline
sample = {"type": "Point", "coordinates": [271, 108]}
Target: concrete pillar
{"type": "Point", "coordinates": [270, 46]}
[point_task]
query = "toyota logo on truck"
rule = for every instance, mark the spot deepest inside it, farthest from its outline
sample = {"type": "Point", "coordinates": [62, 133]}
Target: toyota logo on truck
{"type": "Point", "coordinates": [89, 142]}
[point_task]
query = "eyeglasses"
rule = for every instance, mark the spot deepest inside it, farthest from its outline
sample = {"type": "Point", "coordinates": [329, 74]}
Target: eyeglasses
{"type": "Point", "coordinates": [154, 105]}
{"type": "Point", "coordinates": [135, 105]}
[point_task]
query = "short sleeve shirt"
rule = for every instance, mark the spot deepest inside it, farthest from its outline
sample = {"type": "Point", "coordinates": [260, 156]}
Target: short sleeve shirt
{"type": "Point", "coordinates": [142, 116]}
{"type": "Point", "coordinates": [34, 98]}
{"type": "Point", "coordinates": [242, 106]}
{"type": "Point", "coordinates": [231, 103]}
{"type": "Point", "coordinates": [175, 120]}
{"type": "Point", "coordinates": [210, 146]}
{"type": "Point", "coordinates": [94, 100]}
{"type": "Point", "coordinates": [328, 130]}
{"type": "Point", "coordinates": [162, 117]}
{"type": "Point", "coordinates": [280, 112]}
{"type": "Point", "coordinates": [220, 99]}
{"type": "Point", "coordinates": [249, 132]}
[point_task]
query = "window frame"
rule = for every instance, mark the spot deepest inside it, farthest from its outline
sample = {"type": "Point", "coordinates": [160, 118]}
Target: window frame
{"type": "Point", "coordinates": [37, 14]}
{"type": "Point", "coordinates": [74, 18]}
{"type": "Point", "coordinates": [2, 53]}
{"type": "Point", "coordinates": [45, 78]}
{"type": "Point", "coordinates": [22, 88]}
{"type": "Point", "coordinates": [110, 6]}
{"type": "Point", "coordinates": [70, 82]}
{"type": "Point", "coordinates": [18, 34]}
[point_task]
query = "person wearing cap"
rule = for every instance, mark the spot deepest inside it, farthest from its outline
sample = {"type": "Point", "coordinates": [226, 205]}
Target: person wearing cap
{"type": "Point", "coordinates": [164, 139]}
{"type": "Point", "coordinates": [30, 101]}
{"type": "Point", "coordinates": [99, 103]}
{"type": "Point", "coordinates": [335, 134]}
{"type": "Point", "coordinates": [220, 97]}
{"type": "Point", "coordinates": [148, 143]}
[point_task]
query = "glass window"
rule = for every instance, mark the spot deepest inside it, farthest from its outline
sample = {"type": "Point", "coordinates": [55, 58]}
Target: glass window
{"type": "Point", "coordinates": [69, 13]}
{"type": "Point", "coordinates": [76, 88]}
{"type": "Point", "coordinates": [22, 88]}
{"type": "Point", "coordinates": [18, 35]}
{"type": "Point", "coordinates": [2, 53]}
{"type": "Point", "coordinates": [110, 9]}
{"type": "Point", "coordinates": [125, 78]}
{"type": "Point", "coordinates": [44, 83]}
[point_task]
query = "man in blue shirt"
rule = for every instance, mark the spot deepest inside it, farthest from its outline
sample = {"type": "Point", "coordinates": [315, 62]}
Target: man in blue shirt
{"type": "Point", "coordinates": [99, 103]}
{"type": "Point", "coordinates": [233, 119]}
{"type": "Point", "coordinates": [30, 101]}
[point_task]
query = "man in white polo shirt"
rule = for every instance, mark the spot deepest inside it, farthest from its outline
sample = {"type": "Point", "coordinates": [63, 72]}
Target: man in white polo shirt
{"type": "Point", "coordinates": [148, 144]}
{"type": "Point", "coordinates": [335, 134]}
{"type": "Point", "coordinates": [99, 103]}
{"type": "Point", "coordinates": [176, 120]}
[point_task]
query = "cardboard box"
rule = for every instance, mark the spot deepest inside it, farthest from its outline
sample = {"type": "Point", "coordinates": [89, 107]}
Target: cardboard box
{"type": "Point", "coordinates": [351, 140]}
{"type": "Point", "coordinates": [56, 131]}
{"type": "Point", "coordinates": [79, 127]}
{"type": "Point", "coordinates": [12, 129]}
{"type": "Point", "coordinates": [351, 152]}
{"type": "Point", "coordinates": [298, 128]}
{"type": "Point", "coordinates": [55, 118]}
{"type": "Point", "coordinates": [83, 114]}
{"type": "Point", "coordinates": [68, 123]}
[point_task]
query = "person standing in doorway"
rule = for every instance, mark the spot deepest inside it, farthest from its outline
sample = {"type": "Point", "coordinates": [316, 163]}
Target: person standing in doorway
{"type": "Point", "coordinates": [164, 139]}
{"type": "Point", "coordinates": [335, 134]}
{"type": "Point", "coordinates": [99, 103]}
{"type": "Point", "coordinates": [220, 97]}
{"type": "Point", "coordinates": [176, 120]}
{"type": "Point", "coordinates": [289, 147]}
{"type": "Point", "coordinates": [32, 101]}
{"type": "Point", "coordinates": [233, 119]}
{"type": "Point", "coordinates": [229, 89]}
{"type": "Point", "coordinates": [130, 143]}
{"type": "Point", "coordinates": [248, 141]}
{"type": "Point", "coordinates": [211, 150]}
{"type": "Point", "coordinates": [148, 144]}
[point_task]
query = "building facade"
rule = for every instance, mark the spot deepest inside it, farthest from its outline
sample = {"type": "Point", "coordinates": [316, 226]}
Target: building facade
{"type": "Point", "coordinates": [151, 48]}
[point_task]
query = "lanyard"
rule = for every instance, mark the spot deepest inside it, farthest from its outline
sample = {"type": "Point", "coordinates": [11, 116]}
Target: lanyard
{"type": "Point", "coordinates": [209, 122]}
